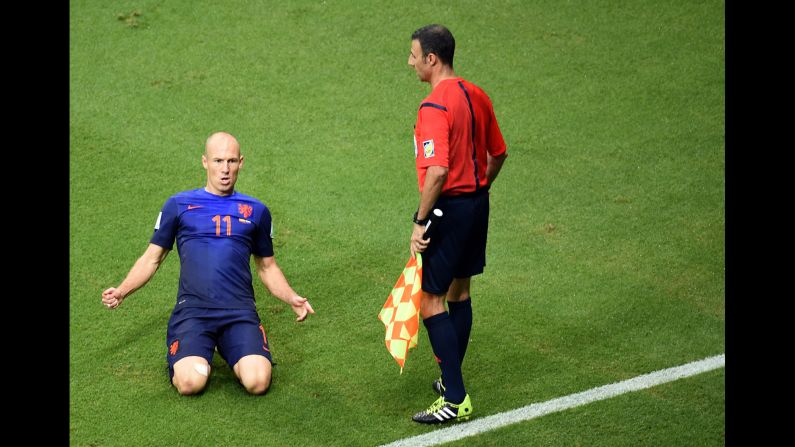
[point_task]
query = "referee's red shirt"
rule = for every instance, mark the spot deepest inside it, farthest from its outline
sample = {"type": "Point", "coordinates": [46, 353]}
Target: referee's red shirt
{"type": "Point", "coordinates": [456, 128]}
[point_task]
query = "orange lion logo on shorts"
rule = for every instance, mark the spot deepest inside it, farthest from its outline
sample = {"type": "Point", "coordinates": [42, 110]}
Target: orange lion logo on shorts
{"type": "Point", "coordinates": [174, 347]}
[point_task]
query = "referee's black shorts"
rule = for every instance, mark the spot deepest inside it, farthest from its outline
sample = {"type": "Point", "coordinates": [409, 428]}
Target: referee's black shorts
{"type": "Point", "coordinates": [458, 245]}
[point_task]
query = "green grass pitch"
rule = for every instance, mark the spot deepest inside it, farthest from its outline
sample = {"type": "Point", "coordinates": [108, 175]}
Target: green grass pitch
{"type": "Point", "coordinates": [606, 248]}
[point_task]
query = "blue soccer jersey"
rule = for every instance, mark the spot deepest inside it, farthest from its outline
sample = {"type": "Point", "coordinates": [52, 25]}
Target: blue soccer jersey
{"type": "Point", "coordinates": [216, 236]}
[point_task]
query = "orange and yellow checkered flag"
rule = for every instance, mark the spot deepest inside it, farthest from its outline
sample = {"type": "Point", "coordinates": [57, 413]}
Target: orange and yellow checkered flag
{"type": "Point", "coordinates": [401, 312]}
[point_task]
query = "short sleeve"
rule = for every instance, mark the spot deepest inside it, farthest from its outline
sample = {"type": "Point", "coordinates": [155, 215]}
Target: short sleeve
{"type": "Point", "coordinates": [263, 238]}
{"type": "Point", "coordinates": [166, 225]}
{"type": "Point", "coordinates": [432, 135]}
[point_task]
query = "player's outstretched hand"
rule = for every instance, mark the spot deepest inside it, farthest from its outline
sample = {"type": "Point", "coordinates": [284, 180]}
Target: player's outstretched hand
{"type": "Point", "coordinates": [301, 307]}
{"type": "Point", "coordinates": [112, 298]}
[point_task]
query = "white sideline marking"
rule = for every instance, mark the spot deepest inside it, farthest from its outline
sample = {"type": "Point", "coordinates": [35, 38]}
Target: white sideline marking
{"type": "Point", "coordinates": [466, 429]}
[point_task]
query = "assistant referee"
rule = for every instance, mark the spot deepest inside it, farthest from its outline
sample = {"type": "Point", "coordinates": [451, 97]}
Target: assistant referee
{"type": "Point", "coordinates": [459, 151]}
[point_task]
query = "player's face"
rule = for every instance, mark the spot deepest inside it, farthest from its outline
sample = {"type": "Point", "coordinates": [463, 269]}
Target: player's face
{"type": "Point", "coordinates": [222, 163]}
{"type": "Point", "coordinates": [419, 63]}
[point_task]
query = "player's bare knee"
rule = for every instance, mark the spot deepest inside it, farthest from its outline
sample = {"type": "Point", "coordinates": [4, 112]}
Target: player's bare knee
{"type": "Point", "coordinates": [189, 385]}
{"type": "Point", "coordinates": [190, 376]}
{"type": "Point", "coordinates": [257, 386]}
{"type": "Point", "coordinates": [254, 373]}
{"type": "Point", "coordinates": [256, 380]}
{"type": "Point", "coordinates": [185, 388]}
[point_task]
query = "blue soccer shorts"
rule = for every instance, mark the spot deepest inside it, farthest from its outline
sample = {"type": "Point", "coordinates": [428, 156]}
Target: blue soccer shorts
{"type": "Point", "coordinates": [196, 331]}
{"type": "Point", "coordinates": [458, 245]}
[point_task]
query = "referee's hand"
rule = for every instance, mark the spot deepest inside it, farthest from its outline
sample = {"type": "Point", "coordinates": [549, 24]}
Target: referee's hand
{"type": "Point", "coordinates": [418, 244]}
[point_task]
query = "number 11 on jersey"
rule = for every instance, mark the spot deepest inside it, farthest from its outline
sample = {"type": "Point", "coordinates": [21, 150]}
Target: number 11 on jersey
{"type": "Point", "coordinates": [227, 220]}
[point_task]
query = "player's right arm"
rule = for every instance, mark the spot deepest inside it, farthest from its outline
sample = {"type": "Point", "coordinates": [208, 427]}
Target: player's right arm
{"type": "Point", "coordinates": [144, 269]}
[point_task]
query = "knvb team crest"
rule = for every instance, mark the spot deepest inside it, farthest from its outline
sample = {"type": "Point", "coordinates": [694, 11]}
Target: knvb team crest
{"type": "Point", "coordinates": [245, 210]}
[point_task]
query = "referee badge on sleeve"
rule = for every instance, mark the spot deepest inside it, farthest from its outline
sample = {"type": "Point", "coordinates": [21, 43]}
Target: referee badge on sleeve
{"type": "Point", "coordinates": [427, 148]}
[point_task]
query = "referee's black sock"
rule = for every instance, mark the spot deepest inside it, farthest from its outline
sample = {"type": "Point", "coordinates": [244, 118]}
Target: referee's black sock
{"type": "Point", "coordinates": [444, 342]}
{"type": "Point", "coordinates": [461, 316]}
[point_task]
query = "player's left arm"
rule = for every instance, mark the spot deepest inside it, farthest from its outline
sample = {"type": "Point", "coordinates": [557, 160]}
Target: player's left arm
{"type": "Point", "coordinates": [273, 278]}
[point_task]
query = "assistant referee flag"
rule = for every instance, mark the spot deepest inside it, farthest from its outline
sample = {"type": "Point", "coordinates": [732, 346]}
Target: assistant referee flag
{"type": "Point", "coordinates": [401, 311]}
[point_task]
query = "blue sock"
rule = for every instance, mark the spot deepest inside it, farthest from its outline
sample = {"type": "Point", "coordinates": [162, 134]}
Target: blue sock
{"type": "Point", "coordinates": [461, 316]}
{"type": "Point", "coordinates": [444, 342]}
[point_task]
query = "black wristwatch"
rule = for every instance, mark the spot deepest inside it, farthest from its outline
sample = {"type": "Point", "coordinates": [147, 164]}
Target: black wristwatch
{"type": "Point", "coordinates": [419, 221]}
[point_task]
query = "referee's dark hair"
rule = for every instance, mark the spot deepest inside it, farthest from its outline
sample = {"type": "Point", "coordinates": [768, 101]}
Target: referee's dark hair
{"type": "Point", "coordinates": [436, 39]}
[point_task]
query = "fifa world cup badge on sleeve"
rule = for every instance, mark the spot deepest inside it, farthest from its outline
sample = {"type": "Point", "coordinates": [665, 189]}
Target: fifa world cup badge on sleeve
{"type": "Point", "coordinates": [427, 148]}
